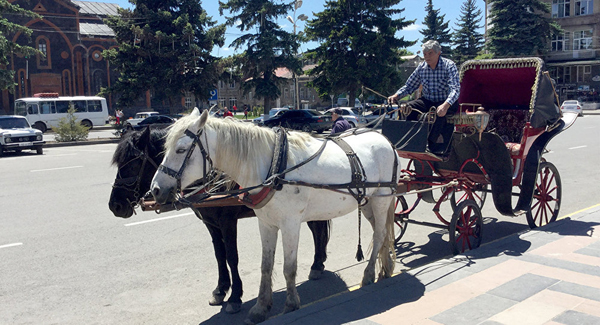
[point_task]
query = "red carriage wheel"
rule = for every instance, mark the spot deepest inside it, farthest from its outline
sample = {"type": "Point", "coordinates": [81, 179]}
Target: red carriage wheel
{"type": "Point", "coordinates": [465, 227]}
{"type": "Point", "coordinates": [478, 193]}
{"type": "Point", "coordinates": [546, 196]}
{"type": "Point", "coordinates": [400, 219]}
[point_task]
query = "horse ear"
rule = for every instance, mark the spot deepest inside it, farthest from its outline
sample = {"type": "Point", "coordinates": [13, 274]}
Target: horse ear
{"type": "Point", "coordinates": [195, 112]}
{"type": "Point", "coordinates": [142, 141]}
{"type": "Point", "coordinates": [203, 119]}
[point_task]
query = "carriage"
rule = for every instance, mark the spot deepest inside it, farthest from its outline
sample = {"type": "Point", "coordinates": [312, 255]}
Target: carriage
{"type": "Point", "coordinates": [508, 112]}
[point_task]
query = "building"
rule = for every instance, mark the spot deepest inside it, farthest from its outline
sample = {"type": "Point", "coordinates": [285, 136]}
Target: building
{"type": "Point", "coordinates": [72, 36]}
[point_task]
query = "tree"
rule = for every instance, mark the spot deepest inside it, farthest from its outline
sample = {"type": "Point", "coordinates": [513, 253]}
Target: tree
{"type": "Point", "coordinates": [436, 29]}
{"type": "Point", "coordinates": [7, 48]}
{"type": "Point", "coordinates": [164, 46]}
{"type": "Point", "coordinates": [519, 27]}
{"type": "Point", "coordinates": [358, 47]}
{"type": "Point", "coordinates": [267, 45]}
{"type": "Point", "coordinates": [467, 39]}
{"type": "Point", "coordinates": [70, 129]}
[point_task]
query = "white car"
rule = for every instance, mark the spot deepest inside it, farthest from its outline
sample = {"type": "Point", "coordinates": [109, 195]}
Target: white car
{"type": "Point", "coordinates": [572, 106]}
{"type": "Point", "coordinates": [16, 134]}
{"type": "Point", "coordinates": [140, 116]}
{"type": "Point", "coordinates": [350, 114]}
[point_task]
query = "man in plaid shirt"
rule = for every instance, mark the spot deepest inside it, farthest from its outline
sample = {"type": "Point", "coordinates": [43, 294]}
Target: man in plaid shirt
{"type": "Point", "coordinates": [441, 88]}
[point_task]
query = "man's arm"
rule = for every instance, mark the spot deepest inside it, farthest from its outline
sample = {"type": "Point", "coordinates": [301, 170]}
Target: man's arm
{"type": "Point", "coordinates": [413, 82]}
{"type": "Point", "coordinates": [454, 85]}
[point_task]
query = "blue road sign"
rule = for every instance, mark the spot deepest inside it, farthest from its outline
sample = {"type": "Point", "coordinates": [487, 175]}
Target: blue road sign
{"type": "Point", "coordinates": [213, 95]}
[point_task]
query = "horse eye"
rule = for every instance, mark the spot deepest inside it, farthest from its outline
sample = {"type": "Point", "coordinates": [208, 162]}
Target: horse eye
{"type": "Point", "coordinates": [180, 151]}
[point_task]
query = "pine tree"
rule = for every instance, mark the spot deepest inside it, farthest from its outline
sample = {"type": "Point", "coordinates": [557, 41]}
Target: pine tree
{"type": "Point", "coordinates": [70, 129]}
{"type": "Point", "coordinates": [467, 40]}
{"type": "Point", "coordinates": [267, 46]}
{"type": "Point", "coordinates": [358, 47]}
{"type": "Point", "coordinates": [164, 46]}
{"type": "Point", "coordinates": [519, 27]}
{"type": "Point", "coordinates": [8, 48]}
{"type": "Point", "coordinates": [436, 29]}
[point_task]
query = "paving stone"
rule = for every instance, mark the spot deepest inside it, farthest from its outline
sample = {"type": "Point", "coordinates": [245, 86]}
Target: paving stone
{"type": "Point", "coordinates": [523, 287]}
{"type": "Point", "coordinates": [589, 251]}
{"type": "Point", "coordinates": [474, 311]}
{"type": "Point", "coordinates": [571, 317]}
{"type": "Point", "coordinates": [567, 265]}
{"type": "Point", "coordinates": [577, 290]}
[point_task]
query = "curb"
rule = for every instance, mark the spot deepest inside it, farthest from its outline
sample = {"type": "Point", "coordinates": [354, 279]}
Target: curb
{"type": "Point", "coordinates": [54, 144]}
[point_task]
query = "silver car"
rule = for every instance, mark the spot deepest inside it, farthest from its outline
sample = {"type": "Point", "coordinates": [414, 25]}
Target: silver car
{"type": "Point", "coordinates": [572, 106]}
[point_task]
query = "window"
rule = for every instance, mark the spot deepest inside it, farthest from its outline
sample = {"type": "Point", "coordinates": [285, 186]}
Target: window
{"type": "Point", "coordinates": [561, 8]}
{"type": "Point", "coordinates": [47, 108]}
{"type": "Point", "coordinates": [232, 84]}
{"type": "Point", "coordinates": [558, 42]}
{"type": "Point", "coordinates": [584, 73]}
{"type": "Point", "coordinates": [582, 40]}
{"type": "Point", "coordinates": [94, 106]}
{"type": "Point", "coordinates": [188, 101]}
{"type": "Point", "coordinates": [232, 102]}
{"type": "Point", "coordinates": [43, 45]}
{"type": "Point", "coordinates": [584, 7]}
{"type": "Point", "coordinates": [32, 109]}
{"type": "Point", "coordinates": [62, 106]}
{"type": "Point", "coordinates": [567, 75]}
{"type": "Point", "coordinates": [302, 96]}
{"type": "Point", "coordinates": [222, 102]}
{"type": "Point", "coordinates": [22, 88]}
{"type": "Point", "coordinates": [80, 106]}
{"type": "Point", "coordinates": [286, 93]}
{"type": "Point", "coordinates": [220, 84]}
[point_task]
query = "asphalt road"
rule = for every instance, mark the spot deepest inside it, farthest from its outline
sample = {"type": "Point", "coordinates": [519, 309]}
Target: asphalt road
{"type": "Point", "coordinates": [67, 260]}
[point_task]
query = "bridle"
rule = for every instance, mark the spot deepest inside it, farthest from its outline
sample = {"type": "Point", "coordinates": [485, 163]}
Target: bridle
{"type": "Point", "coordinates": [134, 182]}
{"type": "Point", "coordinates": [207, 168]}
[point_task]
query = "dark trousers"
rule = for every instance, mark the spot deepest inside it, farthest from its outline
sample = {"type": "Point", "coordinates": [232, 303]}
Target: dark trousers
{"type": "Point", "coordinates": [440, 133]}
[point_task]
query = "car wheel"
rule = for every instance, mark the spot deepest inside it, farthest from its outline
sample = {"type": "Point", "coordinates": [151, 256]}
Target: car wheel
{"type": "Point", "coordinates": [306, 128]}
{"type": "Point", "coordinates": [87, 124]}
{"type": "Point", "coordinates": [352, 124]}
{"type": "Point", "coordinates": [40, 126]}
{"type": "Point", "coordinates": [39, 150]}
{"type": "Point", "coordinates": [1, 151]}
{"type": "Point", "coordinates": [128, 127]}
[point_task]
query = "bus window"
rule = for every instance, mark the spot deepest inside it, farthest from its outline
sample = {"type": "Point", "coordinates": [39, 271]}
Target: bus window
{"type": "Point", "coordinates": [47, 108]}
{"type": "Point", "coordinates": [62, 106]}
{"type": "Point", "coordinates": [80, 106]}
{"type": "Point", "coordinates": [94, 106]}
{"type": "Point", "coordinates": [32, 109]}
{"type": "Point", "coordinates": [20, 108]}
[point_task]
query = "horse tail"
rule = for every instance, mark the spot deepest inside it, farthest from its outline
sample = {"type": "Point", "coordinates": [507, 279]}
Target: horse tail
{"type": "Point", "coordinates": [387, 253]}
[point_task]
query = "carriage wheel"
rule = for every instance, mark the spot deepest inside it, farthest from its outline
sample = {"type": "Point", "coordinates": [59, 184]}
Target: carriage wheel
{"type": "Point", "coordinates": [465, 227]}
{"type": "Point", "coordinates": [546, 196]}
{"type": "Point", "coordinates": [400, 219]}
{"type": "Point", "coordinates": [477, 193]}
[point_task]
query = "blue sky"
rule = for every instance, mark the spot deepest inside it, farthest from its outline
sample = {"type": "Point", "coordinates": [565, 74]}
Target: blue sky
{"type": "Point", "coordinates": [414, 9]}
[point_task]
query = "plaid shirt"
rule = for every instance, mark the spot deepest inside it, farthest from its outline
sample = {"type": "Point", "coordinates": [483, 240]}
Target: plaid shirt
{"type": "Point", "coordinates": [441, 84]}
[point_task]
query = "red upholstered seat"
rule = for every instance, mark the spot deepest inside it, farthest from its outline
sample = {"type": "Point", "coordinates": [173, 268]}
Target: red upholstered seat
{"type": "Point", "coordinates": [508, 123]}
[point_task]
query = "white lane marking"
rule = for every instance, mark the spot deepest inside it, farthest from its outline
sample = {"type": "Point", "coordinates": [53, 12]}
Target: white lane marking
{"type": "Point", "coordinates": [11, 245]}
{"type": "Point", "coordinates": [157, 219]}
{"type": "Point", "coordinates": [578, 147]}
{"type": "Point", "coordinates": [50, 169]}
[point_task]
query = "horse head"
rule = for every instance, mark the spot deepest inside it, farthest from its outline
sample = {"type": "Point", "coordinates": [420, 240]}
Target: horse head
{"type": "Point", "coordinates": [136, 157]}
{"type": "Point", "coordinates": [186, 157]}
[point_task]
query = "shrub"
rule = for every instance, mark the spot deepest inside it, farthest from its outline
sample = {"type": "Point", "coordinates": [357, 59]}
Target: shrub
{"type": "Point", "coordinates": [69, 128]}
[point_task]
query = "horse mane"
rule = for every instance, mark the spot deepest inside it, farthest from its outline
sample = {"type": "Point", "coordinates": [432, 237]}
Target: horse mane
{"type": "Point", "coordinates": [247, 144]}
{"type": "Point", "coordinates": [125, 148]}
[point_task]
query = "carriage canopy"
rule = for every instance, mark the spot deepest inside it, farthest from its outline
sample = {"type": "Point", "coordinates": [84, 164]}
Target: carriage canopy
{"type": "Point", "coordinates": [511, 84]}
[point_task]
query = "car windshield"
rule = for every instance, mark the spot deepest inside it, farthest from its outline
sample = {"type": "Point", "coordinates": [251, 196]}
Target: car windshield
{"type": "Point", "coordinates": [13, 123]}
{"type": "Point", "coordinates": [570, 102]}
{"type": "Point", "coordinates": [313, 112]}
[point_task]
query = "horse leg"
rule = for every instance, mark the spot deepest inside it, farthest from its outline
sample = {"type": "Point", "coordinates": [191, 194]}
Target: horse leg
{"type": "Point", "coordinates": [229, 231]}
{"type": "Point", "coordinates": [223, 284]}
{"type": "Point", "coordinates": [290, 236]}
{"type": "Point", "coordinates": [320, 232]}
{"type": "Point", "coordinates": [264, 301]}
{"type": "Point", "coordinates": [377, 212]}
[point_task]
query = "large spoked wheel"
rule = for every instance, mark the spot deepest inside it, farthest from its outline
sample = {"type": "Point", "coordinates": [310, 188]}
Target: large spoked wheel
{"type": "Point", "coordinates": [546, 196]}
{"type": "Point", "coordinates": [400, 219]}
{"type": "Point", "coordinates": [477, 193]}
{"type": "Point", "coordinates": [465, 227]}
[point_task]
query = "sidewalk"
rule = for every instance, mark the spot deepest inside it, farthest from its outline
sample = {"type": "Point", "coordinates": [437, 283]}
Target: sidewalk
{"type": "Point", "coordinates": [550, 275]}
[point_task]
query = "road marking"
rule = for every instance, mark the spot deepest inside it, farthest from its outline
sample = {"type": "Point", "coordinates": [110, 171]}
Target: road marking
{"type": "Point", "coordinates": [50, 169]}
{"type": "Point", "coordinates": [578, 147]}
{"type": "Point", "coordinates": [157, 219]}
{"type": "Point", "coordinates": [11, 245]}
{"type": "Point", "coordinates": [579, 211]}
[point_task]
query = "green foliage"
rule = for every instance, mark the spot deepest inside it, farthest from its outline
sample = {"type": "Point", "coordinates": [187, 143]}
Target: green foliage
{"type": "Point", "coordinates": [358, 47]}
{"type": "Point", "coordinates": [267, 46]}
{"type": "Point", "coordinates": [436, 29]}
{"type": "Point", "coordinates": [519, 27]}
{"type": "Point", "coordinates": [164, 47]}
{"type": "Point", "coordinates": [8, 48]}
{"type": "Point", "coordinates": [466, 39]}
{"type": "Point", "coordinates": [69, 128]}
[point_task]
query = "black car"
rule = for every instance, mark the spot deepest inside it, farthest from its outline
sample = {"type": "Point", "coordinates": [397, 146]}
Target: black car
{"type": "Point", "coordinates": [157, 121]}
{"type": "Point", "coordinates": [306, 120]}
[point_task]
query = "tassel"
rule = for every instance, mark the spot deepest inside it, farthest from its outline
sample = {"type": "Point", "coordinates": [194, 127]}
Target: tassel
{"type": "Point", "coordinates": [359, 254]}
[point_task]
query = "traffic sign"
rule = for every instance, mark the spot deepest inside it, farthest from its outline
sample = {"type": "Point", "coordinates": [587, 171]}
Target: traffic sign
{"type": "Point", "coordinates": [213, 95]}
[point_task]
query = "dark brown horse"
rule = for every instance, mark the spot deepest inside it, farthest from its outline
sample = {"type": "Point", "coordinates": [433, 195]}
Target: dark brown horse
{"type": "Point", "coordinates": [137, 157]}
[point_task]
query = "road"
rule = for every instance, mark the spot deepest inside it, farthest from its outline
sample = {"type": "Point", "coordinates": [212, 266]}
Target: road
{"type": "Point", "coordinates": [67, 260]}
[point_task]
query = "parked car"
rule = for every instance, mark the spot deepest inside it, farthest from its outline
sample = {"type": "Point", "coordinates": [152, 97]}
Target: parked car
{"type": "Point", "coordinates": [140, 116]}
{"type": "Point", "coordinates": [272, 112]}
{"type": "Point", "coordinates": [307, 120]}
{"type": "Point", "coordinates": [16, 134]}
{"type": "Point", "coordinates": [369, 119]}
{"type": "Point", "coordinates": [159, 121]}
{"type": "Point", "coordinates": [349, 114]}
{"type": "Point", "coordinates": [572, 106]}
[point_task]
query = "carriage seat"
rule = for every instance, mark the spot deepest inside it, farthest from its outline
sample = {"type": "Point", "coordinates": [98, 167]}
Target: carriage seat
{"type": "Point", "coordinates": [509, 125]}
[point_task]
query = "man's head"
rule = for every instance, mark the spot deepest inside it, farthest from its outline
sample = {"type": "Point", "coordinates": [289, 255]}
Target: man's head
{"type": "Point", "coordinates": [336, 111]}
{"type": "Point", "coordinates": [431, 53]}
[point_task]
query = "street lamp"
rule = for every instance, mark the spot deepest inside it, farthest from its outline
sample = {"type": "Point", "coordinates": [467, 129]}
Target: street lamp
{"type": "Point", "coordinates": [293, 20]}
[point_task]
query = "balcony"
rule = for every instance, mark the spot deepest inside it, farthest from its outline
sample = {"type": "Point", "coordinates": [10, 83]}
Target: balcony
{"type": "Point", "coordinates": [591, 54]}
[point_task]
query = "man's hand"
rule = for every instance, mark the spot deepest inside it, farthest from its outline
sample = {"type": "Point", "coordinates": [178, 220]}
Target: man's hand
{"type": "Point", "coordinates": [392, 98]}
{"type": "Point", "coordinates": [442, 109]}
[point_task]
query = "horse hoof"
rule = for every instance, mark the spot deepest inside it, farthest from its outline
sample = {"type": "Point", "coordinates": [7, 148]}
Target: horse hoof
{"type": "Point", "coordinates": [315, 274]}
{"type": "Point", "coordinates": [217, 300]}
{"type": "Point", "coordinates": [289, 309]}
{"type": "Point", "coordinates": [257, 314]}
{"type": "Point", "coordinates": [233, 307]}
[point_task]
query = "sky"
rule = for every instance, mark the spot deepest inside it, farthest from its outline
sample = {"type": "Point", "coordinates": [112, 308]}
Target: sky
{"type": "Point", "coordinates": [414, 9]}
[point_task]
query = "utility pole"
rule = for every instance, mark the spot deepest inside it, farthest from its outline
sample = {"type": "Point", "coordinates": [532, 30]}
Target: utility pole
{"type": "Point", "coordinates": [293, 20]}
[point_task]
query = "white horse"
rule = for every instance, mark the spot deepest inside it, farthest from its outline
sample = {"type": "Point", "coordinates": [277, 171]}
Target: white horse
{"type": "Point", "coordinates": [244, 152]}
